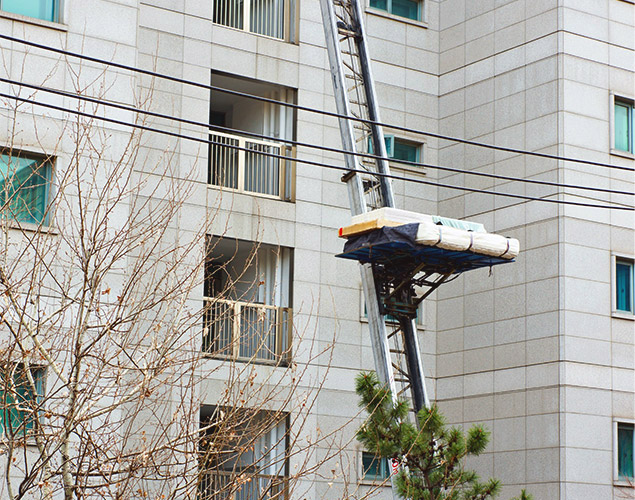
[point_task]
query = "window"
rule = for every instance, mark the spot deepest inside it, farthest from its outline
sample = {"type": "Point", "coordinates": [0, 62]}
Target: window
{"type": "Point", "coordinates": [624, 274]}
{"type": "Point", "coordinates": [273, 18]}
{"type": "Point", "coordinates": [374, 468]}
{"type": "Point", "coordinates": [624, 459]}
{"type": "Point", "coordinates": [243, 454]}
{"type": "Point", "coordinates": [248, 311]}
{"type": "Point", "coordinates": [20, 399]}
{"type": "Point", "coordinates": [399, 149]}
{"type": "Point", "coordinates": [410, 9]}
{"type": "Point", "coordinates": [239, 158]}
{"type": "Point", "coordinates": [624, 126]}
{"type": "Point", "coordinates": [40, 9]}
{"type": "Point", "coordinates": [24, 187]}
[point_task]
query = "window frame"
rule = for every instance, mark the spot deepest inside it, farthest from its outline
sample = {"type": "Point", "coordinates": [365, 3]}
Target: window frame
{"type": "Point", "coordinates": [57, 13]}
{"type": "Point", "coordinates": [246, 438]}
{"type": "Point", "coordinates": [385, 469]}
{"type": "Point", "coordinates": [39, 400]}
{"type": "Point", "coordinates": [224, 343]}
{"type": "Point", "coordinates": [42, 159]}
{"type": "Point", "coordinates": [391, 140]}
{"type": "Point", "coordinates": [617, 479]}
{"type": "Point", "coordinates": [630, 103]}
{"type": "Point", "coordinates": [421, 17]}
{"type": "Point", "coordinates": [621, 313]}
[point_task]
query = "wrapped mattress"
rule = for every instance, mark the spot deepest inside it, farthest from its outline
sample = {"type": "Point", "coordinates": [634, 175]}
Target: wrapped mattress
{"type": "Point", "coordinates": [435, 231]}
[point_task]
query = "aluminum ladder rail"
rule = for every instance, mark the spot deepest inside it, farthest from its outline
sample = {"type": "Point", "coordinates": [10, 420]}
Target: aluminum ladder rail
{"type": "Point", "coordinates": [355, 97]}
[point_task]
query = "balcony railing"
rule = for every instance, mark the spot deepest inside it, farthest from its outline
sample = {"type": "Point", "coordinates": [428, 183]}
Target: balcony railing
{"type": "Point", "coordinates": [220, 485]}
{"type": "Point", "coordinates": [247, 165]}
{"type": "Point", "coordinates": [265, 17]}
{"type": "Point", "coordinates": [247, 331]}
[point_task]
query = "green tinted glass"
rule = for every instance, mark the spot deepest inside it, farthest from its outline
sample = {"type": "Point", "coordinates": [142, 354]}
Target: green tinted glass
{"type": "Point", "coordinates": [623, 139]}
{"type": "Point", "coordinates": [24, 188]}
{"type": "Point", "coordinates": [623, 283]}
{"type": "Point", "coordinates": [625, 450]}
{"type": "Point", "coordinates": [405, 151]}
{"type": "Point", "coordinates": [374, 467]}
{"type": "Point", "coordinates": [406, 8]}
{"type": "Point", "coordinates": [19, 401]}
{"type": "Point", "coordinates": [379, 4]}
{"type": "Point", "coordinates": [40, 9]}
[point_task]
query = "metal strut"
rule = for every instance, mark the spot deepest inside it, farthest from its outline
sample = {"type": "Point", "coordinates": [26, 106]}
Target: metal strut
{"type": "Point", "coordinates": [387, 290]}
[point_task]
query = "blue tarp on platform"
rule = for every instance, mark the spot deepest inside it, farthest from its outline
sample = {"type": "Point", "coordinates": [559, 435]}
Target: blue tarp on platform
{"type": "Point", "coordinates": [397, 246]}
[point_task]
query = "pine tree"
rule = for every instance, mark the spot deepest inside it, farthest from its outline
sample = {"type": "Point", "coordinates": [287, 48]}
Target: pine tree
{"type": "Point", "coordinates": [431, 456]}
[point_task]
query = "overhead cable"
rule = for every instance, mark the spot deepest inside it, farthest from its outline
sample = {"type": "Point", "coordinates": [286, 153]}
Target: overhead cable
{"type": "Point", "coordinates": [310, 162]}
{"type": "Point", "coordinates": [312, 110]}
{"type": "Point", "coordinates": [154, 114]}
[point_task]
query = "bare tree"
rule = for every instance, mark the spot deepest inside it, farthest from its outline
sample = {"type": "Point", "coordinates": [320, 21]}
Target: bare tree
{"type": "Point", "coordinates": [107, 341]}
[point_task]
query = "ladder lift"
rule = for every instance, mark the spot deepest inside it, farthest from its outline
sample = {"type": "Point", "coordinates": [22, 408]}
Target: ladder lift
{"type": "Point", "coordinates": [394, 283]}
{"type": "Point", "coordinates": [387, 289]}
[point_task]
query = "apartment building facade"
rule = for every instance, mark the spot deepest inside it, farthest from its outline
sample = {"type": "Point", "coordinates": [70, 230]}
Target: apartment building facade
{"type": "Point", "coordinates": [541, 350]}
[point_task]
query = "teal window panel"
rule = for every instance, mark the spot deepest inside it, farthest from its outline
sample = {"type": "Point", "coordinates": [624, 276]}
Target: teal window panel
{"type": "Point", "coordinates": [624, 285]}
{"type": "Point", "coordinates": [379, 4]}
{"type": "Point", "coordinates": [24, 187]}
{"type": "Point", "coordinates": [624, 126]}
{"type": "Point", "coordinates": [410, 9]}
{"type": "Point", "coordinates": [39, 9]}
{"type": "Point", "coordinates": [406, 8]}
{"type": "Point", "coordinates": [406, 151]}
{"type": "Point", "coordinates": [375, 468]}
{"type": "Point", "coordinates": [18, 400]}
{"type": "Point", "coordinates": [398, 149]}
{"type": "Point", "coordinates": [625, 436]}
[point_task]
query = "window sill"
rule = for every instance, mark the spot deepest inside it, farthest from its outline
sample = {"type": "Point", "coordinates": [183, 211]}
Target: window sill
{"type": "Point", "coordinates": [29, 227]}
{"type": "Point", "coordinates": [407, 168]}
{"type": "Point", "coordinates": [623, 154]}
{"type": "Point", "coordinates": [385, 482]}
{"type": "Point", "coordinates": [33, 20]}
{"type": "Point", "coordinates": [388, 15]}
{"type": "Point", "coordinates": [233, 191]}
{"type": "Point", "coordinates": [284, 364]}
{"type": "Point", "coordinates": [624, 483]}
{"type": "Point", "coordinates": [623, 315]}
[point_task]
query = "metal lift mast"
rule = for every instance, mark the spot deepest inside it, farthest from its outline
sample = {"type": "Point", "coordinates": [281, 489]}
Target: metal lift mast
{"type": "Point", "coordinates": [388, 290]}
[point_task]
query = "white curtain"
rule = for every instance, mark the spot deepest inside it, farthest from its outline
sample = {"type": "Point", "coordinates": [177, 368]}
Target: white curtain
{"type": "Point", "coordinates": [269, 450]}
{"type": "Point", "coordinates": [274, 275]}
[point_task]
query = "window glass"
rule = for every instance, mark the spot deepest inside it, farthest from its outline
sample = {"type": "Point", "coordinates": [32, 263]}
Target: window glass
{"type": "Point", "coordinates": [406, 151]}
{"type": "Point", "coordinates": [398, 148]}
{"type": "Point", "coordinates": [18, 398]}
{"type": "Point", "coordinates": [24, 183]}
{"type": "Point", "coordinates": [402, 8]}
{"type": "Point", "coordinates": [40, 9]}
{"type": "Point", "coordinates": [374, 467]}
{"type": "Point", "coordinates": [406, 8]}
{"type": "Point", "coordinates": [624, 285]}
{"type": "Point", "coordinates": [623, 123]}
{"type": "Point", "coordinates": [625, 450]}
{"type": "Point", "coordinates": [273, 18]}
{"type": "Point", "coordinates": [379, 4]}
{"type": "Point", "coordinates": [245, 446]}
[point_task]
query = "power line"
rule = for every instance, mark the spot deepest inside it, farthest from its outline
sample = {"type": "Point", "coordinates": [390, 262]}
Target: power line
{"type": "Point", "coordinates": [312, 110]}
{"type": "Point", "coordinates": [309, 162]}
{"type": "Point", "coordinates": [126, 107]}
